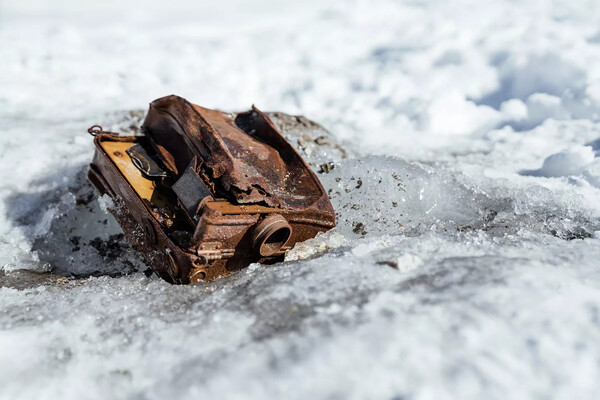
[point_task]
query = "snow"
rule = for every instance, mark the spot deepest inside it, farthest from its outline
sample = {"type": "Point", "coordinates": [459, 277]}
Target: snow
{"type": "Point", "coordinates": [568, 162]}
{"type": "Point", "coordinates": [465, 142]}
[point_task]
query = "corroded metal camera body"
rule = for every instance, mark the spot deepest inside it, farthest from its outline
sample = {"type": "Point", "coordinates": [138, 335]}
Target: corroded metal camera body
{"type": "Point", "coordinates": [203, 193]}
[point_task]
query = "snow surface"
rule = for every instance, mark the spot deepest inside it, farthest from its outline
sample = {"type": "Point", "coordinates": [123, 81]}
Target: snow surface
{"type": "Point", "coordinates": [465, 261]}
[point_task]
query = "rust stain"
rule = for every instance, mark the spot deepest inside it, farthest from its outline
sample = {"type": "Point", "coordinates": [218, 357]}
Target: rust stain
{"type": "Point", "coordinates": [225, 190]}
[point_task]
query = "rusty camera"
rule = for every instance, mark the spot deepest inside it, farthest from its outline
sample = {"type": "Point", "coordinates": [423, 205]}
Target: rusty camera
{"type": "Point", "coordinates": [203, 193]}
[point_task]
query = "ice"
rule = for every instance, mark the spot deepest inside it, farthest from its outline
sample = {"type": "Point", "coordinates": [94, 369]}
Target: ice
{"type": "Point", "coordinates": [322, 242]}
{"type": "Point", "coordinates": [462, 145]}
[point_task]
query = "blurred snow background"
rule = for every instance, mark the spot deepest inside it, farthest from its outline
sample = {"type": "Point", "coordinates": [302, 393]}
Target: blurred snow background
{"type": "Point", "coordinates": [466, 260]}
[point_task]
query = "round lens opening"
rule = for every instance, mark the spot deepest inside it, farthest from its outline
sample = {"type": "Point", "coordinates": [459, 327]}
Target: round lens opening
{"type": "Point", "coordinates": [275, 241]}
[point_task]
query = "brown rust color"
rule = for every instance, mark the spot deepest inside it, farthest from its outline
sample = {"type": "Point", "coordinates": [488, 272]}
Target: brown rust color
{"type": "Point", "coordinates": [230, 190]}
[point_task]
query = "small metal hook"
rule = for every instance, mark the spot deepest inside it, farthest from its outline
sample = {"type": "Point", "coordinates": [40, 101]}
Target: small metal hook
{"type": "Point", "coordinates": [95, 130]}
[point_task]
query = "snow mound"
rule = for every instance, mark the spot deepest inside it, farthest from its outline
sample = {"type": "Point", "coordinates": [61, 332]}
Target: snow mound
{"type": "Point", "coordinates": [568, 162]}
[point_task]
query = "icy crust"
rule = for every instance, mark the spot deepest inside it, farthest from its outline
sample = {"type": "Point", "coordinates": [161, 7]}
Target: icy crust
{"type": "Point", "coordinates": [69, 230]}
{"type": "Point", "coordinates": [386, 195]}
{"type": "Point", "coordinates": [472, 307]}
{"type": "Point", "coordinates": [436, 283]}
{"type": "Point", "coordinates": [453, 289]}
